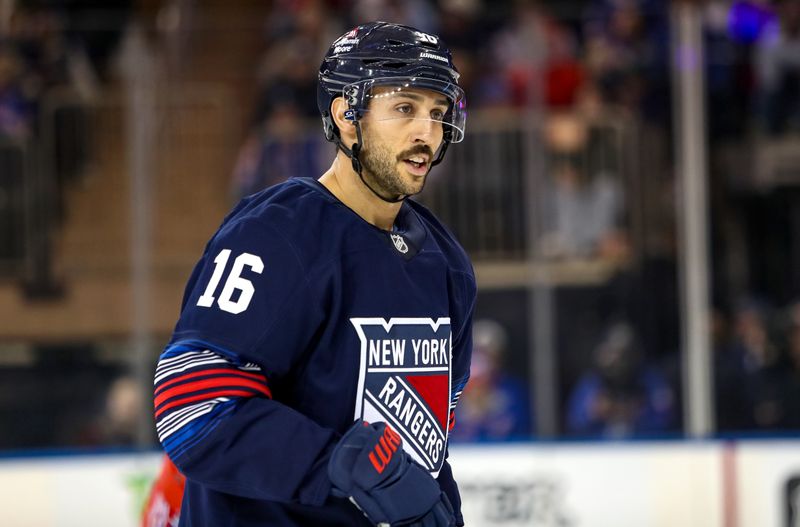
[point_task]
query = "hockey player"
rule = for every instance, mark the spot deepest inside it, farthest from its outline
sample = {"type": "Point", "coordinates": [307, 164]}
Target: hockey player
{"type": "Point", "coordinates": [325, 333]}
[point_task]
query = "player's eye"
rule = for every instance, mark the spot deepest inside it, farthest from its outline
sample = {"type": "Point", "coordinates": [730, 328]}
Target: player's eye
{"type": "Point", "coordinates": [437, 115]}
{"type": "Point", "coordinates": [404, 108]}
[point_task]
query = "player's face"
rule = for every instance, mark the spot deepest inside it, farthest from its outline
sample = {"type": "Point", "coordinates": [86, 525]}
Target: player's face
{"type": "Point", "coordinates": [401, 132]}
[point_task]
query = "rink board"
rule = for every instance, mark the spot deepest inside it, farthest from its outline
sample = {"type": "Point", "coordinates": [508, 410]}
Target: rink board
{"type": "Point", "coordinates": [664, 484]}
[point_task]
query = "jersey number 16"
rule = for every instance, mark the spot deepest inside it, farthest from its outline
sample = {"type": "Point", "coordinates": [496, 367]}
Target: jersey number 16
{"type": "Point", "coordinates": [234, 282]}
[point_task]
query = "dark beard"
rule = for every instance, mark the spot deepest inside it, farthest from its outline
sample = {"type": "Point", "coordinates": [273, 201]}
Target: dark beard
{"type": "Point", "coordinates": [381, 174]}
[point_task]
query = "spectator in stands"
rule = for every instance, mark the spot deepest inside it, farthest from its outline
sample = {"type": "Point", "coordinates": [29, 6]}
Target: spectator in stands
{"type": "Point", "coordinates": [95, 28]}
{"type": "Point", "coordinates": [461, 28]}
{"type": "Point", "coordinates": [750, 368]}
{"type": "Point", "coordinates": [495, 405]}
{"type": "Point", "coordinates": [625, 54]}
{"type": "Point", "coordinates": [118, 425]}
{"type": "Point", "coordinates": [757, 373]}
{"type": "Point", "coordinates": [420, 14]}
{"type": "Point", "coordinates": [583, 204]}
{"type": "Point", "coordinates": [37, 35]}
{"type": "Point", "coordinates": [565, 74]}
{"type": "Point", "coordinates": [278, 149]}
{"type": "Point", "coordinates": [279, 145]}
{"type": "Point", "coordinates": [298, 33]}
{"type": "Point", "coordinates": [15, 108]}
{"type": "Point", "coordinates": [731, 402]}
{"type": "Point", "coordinates": [765, 373]}
{"type": "Point", "coordinates": [460, 24]}
{"type": "Point", "coordinates": [791, 389]}
{"type": "Point", "coordinates": [778, 67]}
{"type": "Point", "coordinates": [622, 395]}
{"type": "Point", "coordinates": [536, 59]}
{"type": "Point", "coordinates": [729, 32]}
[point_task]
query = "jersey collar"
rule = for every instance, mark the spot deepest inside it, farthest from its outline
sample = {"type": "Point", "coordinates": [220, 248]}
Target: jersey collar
{"type": "Point", "coordinates": [408, 234]}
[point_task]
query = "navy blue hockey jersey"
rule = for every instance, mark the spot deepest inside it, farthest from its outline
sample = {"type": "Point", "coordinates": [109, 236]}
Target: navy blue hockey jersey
{"type": "Point", "coordinates": [299, 318]}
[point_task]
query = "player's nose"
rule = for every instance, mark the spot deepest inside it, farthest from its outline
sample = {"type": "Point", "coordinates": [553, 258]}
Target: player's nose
{"type": "Point", "coordinates": [423, 130]}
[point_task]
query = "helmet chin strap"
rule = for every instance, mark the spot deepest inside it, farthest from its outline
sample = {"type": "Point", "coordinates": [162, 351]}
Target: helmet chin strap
{"type": "Point", "coordinates": [353, 153]}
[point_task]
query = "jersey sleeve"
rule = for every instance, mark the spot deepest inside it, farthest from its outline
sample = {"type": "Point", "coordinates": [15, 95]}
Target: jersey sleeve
{"type": "Point", "coordinates": [250, 296]}
{"type": "Point", "coordinates": [462, 342]}
{"type": "Point", "coordinates": [462, 356]}
{"type": "Point", "coordinates": [248, 314]}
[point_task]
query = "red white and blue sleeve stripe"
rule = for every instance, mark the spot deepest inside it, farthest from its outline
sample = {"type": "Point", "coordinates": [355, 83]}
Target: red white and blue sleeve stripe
{"type": "Point", "coordinates": [195, 389]}
{"type": "Point", "coordinates": [454, 397]}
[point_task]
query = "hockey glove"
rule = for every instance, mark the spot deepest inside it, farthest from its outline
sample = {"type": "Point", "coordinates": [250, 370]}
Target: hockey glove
{"type": "Point", "coordinates": [369, 466]}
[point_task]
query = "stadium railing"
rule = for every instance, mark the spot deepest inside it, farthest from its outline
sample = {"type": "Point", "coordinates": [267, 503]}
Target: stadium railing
{"type": "Point", "coordinates": [493, 192]}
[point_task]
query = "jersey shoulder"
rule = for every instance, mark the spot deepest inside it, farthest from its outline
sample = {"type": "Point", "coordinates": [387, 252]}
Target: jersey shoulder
{"type": "Point", "coordinates": [279, 205]}
{"type": "Point", "coordinates": [253, 278]}
{"type": "Point", "coordinates": [298, 212]}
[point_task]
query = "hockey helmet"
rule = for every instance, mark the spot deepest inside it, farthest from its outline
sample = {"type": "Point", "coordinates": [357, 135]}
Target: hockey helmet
{"type": "Point", "coordinates": [381, 54]}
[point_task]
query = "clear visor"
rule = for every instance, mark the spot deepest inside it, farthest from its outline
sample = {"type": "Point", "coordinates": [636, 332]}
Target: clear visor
{"type": "Point", "coordinates": [410, 98]}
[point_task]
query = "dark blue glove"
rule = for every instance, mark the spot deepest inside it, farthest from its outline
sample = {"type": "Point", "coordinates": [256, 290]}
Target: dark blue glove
{"type": "Point", "coordinates": [440, 515]}
{"type": "Point", "coordinates": [370, 467]}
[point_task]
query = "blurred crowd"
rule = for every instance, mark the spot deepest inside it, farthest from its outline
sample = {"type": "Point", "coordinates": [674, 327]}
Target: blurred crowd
{"type": "Point", "coordinates": [55, 58]}
{"type": "Point", "coordinates": [583, 67]}
{"type": "Point", "coordinates": [511, 55]}
{"type": "Point", "coordinates": [627, 391]}
{"type": "Point", "coordinates": [52, 44]}
{"type": "Point", "coordinates": [757, 367]}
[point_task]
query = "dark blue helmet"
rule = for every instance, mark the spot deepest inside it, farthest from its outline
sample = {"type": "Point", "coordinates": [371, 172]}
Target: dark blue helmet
{"type": "Point", "coordinates": [380, 54]}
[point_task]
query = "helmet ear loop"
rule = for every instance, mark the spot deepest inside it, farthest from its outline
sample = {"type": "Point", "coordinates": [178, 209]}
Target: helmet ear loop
{"type": "Point", "coordinates": [352, 115]}
{"type": "Point", "coordinates": [353, 152]}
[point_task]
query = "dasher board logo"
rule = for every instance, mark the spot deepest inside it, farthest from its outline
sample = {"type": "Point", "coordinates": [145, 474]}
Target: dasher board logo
{"type": "Point", "coordinates": [404, 380]}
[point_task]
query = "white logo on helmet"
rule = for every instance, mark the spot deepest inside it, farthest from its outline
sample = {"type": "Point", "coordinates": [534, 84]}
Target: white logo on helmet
{"type": "Point", "coordinates": [427, 38]}
{"type": "Point", "coordinates": [426, 55]}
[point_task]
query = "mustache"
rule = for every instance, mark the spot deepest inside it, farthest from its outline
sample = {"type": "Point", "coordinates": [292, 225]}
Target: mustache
{"type": "Point", "coordinates": [417, 149]}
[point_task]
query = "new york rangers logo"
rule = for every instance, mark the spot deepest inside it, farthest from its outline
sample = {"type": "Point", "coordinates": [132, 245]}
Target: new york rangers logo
{"type": "Point", "coordinates": [404, 380]}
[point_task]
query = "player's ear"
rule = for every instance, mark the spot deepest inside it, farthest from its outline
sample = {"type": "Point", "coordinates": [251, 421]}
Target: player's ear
{"type": "Point", "coordinates": [346, 129]}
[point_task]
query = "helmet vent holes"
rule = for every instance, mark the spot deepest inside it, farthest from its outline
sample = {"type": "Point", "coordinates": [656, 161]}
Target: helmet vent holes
{"type": "Point", "coordinates": [396, 65]}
